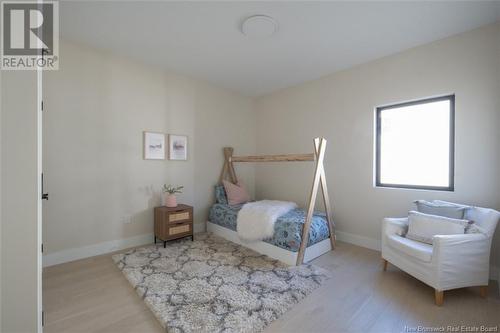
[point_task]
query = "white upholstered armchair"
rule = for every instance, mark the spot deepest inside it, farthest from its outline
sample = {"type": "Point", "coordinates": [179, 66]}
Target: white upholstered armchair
{"type": "Point", "coordinates": [452, 261]}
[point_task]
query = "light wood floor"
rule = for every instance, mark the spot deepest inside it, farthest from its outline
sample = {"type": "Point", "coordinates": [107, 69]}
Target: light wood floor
{"type": "Point", "coordinates": [92, 295]}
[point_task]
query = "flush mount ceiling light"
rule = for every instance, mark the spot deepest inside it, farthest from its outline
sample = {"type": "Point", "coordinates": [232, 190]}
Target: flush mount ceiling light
{"type": "Point", "coordinates": [259, 26]}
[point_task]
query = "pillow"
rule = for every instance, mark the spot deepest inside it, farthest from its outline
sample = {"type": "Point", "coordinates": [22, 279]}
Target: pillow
{"type": "Point", "coordinates": [485, 219]}
{"type": "Point", "coordinates": [475, 229]}
{"type": "Point", "coordinates": [423, 227]}
{"type": "Point", "coordinates": [440, 209]}
{"type": "Point", "coordinates": [220, 195]}
{"type": "Point", "coordinates": [447, 203]}
{"type": "Point", "coordinates": [236, 193]}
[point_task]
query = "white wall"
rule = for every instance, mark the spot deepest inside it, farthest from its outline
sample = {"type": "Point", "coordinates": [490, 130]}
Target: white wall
{"type": "Point", "coordinates": [340, 107]}
{"type": "Point", "coordinates": [19, 200]}
{"type": "Point", "coordinates": [97, 106]}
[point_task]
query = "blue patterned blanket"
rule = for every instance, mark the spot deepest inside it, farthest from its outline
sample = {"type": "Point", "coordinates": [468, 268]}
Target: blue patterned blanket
{"type": "Point", "coordinates": [287, 229]}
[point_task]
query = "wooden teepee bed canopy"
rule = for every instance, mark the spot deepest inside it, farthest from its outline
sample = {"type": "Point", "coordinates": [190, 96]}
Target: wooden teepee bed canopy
{"type": "Point", "coordinates": [319, 181]}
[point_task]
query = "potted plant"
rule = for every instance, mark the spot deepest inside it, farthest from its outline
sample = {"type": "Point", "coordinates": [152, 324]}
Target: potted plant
{"type": "Point", "coordinates": [171, 199]}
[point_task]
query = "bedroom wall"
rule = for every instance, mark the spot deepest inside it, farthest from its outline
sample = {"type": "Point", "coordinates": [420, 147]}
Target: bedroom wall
{"type": "Point", "coordinates": [102, 192]}
{"type": "Point", "coordinates": [340, 107]}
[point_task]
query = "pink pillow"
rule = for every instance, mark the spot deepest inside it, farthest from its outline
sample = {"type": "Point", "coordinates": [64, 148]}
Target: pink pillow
{"type": "Point", "coordinates": [236, 193]}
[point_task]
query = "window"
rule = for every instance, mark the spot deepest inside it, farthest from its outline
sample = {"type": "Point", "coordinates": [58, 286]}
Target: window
{"type": "Point", "coordinates": [415, 144]}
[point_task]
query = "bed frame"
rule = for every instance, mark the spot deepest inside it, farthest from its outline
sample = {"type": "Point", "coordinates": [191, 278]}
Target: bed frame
{"type": "Point", "coordinates": [319, 181]}
{"type": "Point", "coordinates": [270, 250]}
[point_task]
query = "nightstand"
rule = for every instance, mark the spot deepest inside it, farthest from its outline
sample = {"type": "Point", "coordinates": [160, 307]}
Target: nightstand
{"type": "Point", "coordinates": [173, 223]}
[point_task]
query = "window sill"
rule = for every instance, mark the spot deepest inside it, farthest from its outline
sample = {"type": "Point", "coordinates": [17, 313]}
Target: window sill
{"type": "Point", "coordinates": [416, 188]}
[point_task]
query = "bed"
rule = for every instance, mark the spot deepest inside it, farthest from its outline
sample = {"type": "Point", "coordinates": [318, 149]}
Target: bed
{"type": "Point", "coordinates": [286, 241]}
{"type": "Point", "coordinates": [299, 236]}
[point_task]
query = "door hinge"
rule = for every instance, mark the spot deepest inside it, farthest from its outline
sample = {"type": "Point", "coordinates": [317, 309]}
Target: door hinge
{"type": "Point", "coordinates": [42, 105]}
{"type": "Point", "coordinates": [42, 247]}
{"type": "Point", "coordinates": [43, 318]}
{"type": "Point", "coordinates": [45, 196]}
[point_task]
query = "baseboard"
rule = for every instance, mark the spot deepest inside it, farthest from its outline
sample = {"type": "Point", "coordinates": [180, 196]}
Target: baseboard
{"type": "Point", "coordinates": [95, 249]}
{"type": "Point", "coordinates": [199, 227]}
{"type": "Point", "coordinates": [370, 243]}
{"type": "Point", "coordinates": [104, 247]}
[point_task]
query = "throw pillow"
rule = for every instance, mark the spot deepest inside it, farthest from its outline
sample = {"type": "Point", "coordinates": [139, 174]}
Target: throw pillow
{"type": "Point", "coordinates": [440, 209]}
{"type": "Point", "coordinates": [423, 227]}
{"type": "Point", "coordinates": [236, 193]}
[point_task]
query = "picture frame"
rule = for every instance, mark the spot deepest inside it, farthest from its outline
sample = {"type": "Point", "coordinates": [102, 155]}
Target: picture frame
{"type": "Point", "coordinates": [154, 145]}
{"type": "Point", "coordinates": [177, 147]}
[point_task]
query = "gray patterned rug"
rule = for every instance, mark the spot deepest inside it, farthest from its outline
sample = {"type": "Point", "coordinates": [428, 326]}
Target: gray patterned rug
{"type": "Point", "coordinates": [213, 285]}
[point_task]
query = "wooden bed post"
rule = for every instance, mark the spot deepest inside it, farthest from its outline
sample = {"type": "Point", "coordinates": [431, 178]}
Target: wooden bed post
{"type": "Point", "coordinates": [228, 166]}
{"type": "Point", "coordinates": [326, 197]}
{"type": "Point", "coordinates": [318, 180]}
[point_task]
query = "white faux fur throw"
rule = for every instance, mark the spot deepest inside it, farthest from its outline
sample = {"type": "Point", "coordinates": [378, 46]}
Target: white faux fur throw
{"type": "Point", "coordinates": [256, 219]}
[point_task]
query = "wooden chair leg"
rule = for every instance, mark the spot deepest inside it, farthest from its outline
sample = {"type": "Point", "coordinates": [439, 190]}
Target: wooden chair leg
{"type": "Point", "coordinates": [439, 297]}
{"type": "Point", "coordinates": [483, 291]}
{"type": "Point", "coordinates": [385, 264]}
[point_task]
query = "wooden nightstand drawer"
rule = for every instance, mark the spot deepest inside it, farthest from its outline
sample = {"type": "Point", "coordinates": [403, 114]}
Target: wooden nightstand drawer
{"type": "Point", "coordinates": [179, 216]}
{"type": "Point", "coordinates": [179, 229]}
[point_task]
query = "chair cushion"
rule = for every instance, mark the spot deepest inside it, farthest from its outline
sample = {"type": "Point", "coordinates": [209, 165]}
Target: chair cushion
{"type": "Point", "coordinates": [422, 227]}
{"type": "Point", "coordinates": [419, 250]}
{"type": "Point", "coordinates": [441, 208]}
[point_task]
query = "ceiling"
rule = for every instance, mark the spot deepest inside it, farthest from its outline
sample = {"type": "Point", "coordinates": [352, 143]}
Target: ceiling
{"type": "Point", "coordinates": [203, 40]}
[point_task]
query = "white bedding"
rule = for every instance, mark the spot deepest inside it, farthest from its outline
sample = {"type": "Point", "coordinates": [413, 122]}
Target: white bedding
{"type": "Point", "coordinates": [256, 219]}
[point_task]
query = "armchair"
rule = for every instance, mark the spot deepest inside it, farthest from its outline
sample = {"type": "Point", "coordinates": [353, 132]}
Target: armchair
{"type": "Point", "coordinates": [452, 261]}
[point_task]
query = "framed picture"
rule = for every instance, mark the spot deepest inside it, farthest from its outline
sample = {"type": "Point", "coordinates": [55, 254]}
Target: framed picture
{"type": "Point", "coordinates": [177, 147]}
{"type": "Point", "coordinates": [154, 146]}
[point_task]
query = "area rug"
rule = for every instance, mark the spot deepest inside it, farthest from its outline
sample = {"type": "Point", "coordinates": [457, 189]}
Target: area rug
{"type": "Point", "coordinates": [213, 285]}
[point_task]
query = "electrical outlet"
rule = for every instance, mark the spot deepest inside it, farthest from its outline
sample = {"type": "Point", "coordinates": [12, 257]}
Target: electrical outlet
{"type": "Point", "coordinates": [126, 219]}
